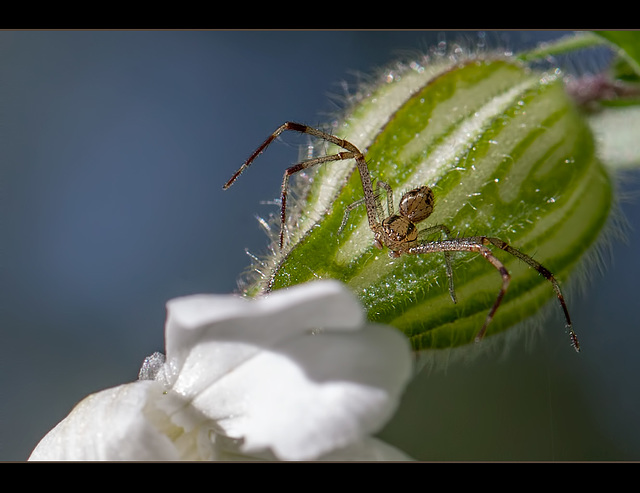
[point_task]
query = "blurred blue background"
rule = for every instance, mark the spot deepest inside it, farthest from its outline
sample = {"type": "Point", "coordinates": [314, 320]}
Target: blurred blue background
{"type": "Point", "coordinates": [115, 148]}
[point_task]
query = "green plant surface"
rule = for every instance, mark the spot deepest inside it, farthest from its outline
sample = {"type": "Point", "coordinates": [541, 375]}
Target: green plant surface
{"type": "Point", "coordinates": [506, 154]}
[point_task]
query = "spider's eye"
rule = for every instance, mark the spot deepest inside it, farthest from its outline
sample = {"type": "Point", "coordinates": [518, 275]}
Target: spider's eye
{"type": "Point", "coordinates": [417, 205]}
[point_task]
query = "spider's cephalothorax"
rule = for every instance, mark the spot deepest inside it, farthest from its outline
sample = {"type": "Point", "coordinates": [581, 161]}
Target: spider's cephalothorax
{"type": "Point", "coordinates": [396, 233]}
{"type": "Point", "coordinates": [399, 232]}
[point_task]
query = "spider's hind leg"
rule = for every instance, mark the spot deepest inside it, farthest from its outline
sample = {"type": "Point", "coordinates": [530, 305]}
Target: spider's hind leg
{"type": "Point", "coordinates": [474, 244]}
{"type": "Point", "coordinates": [543, 271]}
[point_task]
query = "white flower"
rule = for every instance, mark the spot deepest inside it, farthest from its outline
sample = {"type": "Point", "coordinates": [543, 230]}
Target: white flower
{"type": "Point", "coordinates": [295, 375]}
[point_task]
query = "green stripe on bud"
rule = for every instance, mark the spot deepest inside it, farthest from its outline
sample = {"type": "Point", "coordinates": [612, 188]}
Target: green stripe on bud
{"type": "Point", "coordinates": [506, 155]}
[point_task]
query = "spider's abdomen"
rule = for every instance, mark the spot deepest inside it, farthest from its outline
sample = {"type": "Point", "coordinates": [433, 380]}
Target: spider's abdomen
{"type": "Point", "coordinates": [398, 232]}
{"type": "Point", "coordinates": [417, 205]}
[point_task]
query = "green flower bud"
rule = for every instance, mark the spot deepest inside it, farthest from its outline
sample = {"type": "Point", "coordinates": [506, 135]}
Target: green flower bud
{"type": "Point", "coordinates": [506, 155]}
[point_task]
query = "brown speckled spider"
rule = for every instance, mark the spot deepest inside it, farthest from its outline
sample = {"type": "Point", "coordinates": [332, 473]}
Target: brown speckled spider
{"type": "Point", "coordinates": [398, 232]}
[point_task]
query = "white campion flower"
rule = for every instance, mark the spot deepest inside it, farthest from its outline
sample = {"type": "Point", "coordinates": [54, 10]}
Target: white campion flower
{"type": "Point", "coordinates": [295, 375]}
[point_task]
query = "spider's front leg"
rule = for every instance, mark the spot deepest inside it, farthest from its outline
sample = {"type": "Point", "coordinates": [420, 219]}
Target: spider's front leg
{"type": "Point", "coordinates": [295, 169]}
{"type": "Point", "coordinates": [350, 152]}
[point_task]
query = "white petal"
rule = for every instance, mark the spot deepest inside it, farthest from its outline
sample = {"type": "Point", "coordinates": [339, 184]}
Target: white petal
{"type": "Point", "coordinates": [207, 336]}
{"type": "Point", "coordinates": [109, 425]}
{"type": "Point", "coordinates": [314, 393]}
{"type": "Point", "coordinates": [255, 368]}
{"type": "Point", "coordinates": [294, 376]}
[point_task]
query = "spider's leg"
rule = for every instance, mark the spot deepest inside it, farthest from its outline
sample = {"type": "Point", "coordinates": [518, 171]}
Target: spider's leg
{"type": "Point", "coordinates": [295, 169]}
{"type": "Point", "coordinates": [296, 127]}
{"type": "Point", "coordinates": [363, 200]}
{"type": "Point", "coordinates": [470, 245]}
{"type": "Point", "coordinates": [256, 153]}
{"type": "Point", "coordinates": [352, 152]}
{"type": "Point", "coordinates": [365, 177]}
{"type": "Point", "coordinates": [388, 189]}
{"type": "Point", "coordinates": [479, 244]}
{"type": "Point", "coordinates": [447, 256]}
{"type": "Point", "coordinates": [545, 273]}
{"type": "Point", "coordinates": [506, 278]}
{"type": "Point", "coordinates": [347, 211]}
